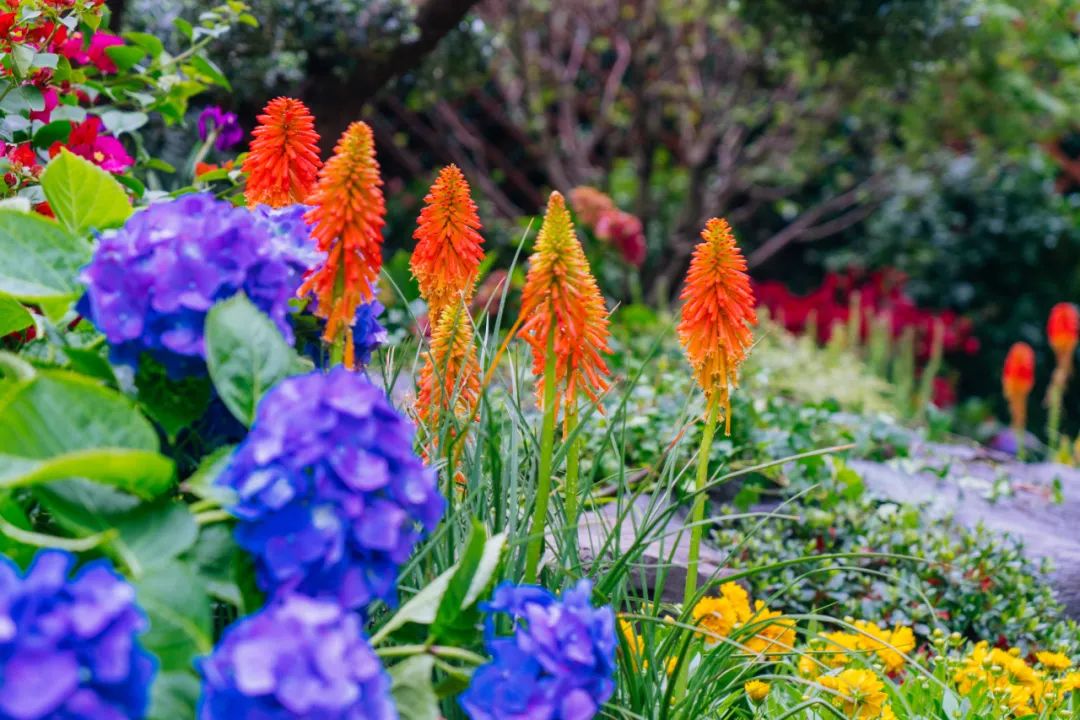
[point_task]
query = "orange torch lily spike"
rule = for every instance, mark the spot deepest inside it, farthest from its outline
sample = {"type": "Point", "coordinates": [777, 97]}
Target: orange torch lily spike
{"type": "Point", "coordinates": [283, 161]}
{"type": "Point", "coordinates": [1017, 381]}
{"type": "Point", "coordinates": [450, 378]}
{"type": "Point", "coordinates": [348, 215]}
{"type": "Point", "coordinates": [717, 314]}
{"type": "Point", "coordinates": [448, 250]}
{"type": "Point", "coordinates": [1063, 329]}
{"type": "Point", "coordinates": [561, 299]}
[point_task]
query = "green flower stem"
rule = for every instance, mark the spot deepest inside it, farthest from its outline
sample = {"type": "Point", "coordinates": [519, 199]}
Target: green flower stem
{"type": "Point", "coordinates": [697, 519]}
{"type": "Point", "coordinates": [337, 348]}
{"type": "Point", "coordinates": [543, 480]}
{"type": "Point", "coordinates": [697, 515]}
{"type": "Point", "coordinates": [573, 461]}
{"type": "Point", "coordinates": [1053, 410]}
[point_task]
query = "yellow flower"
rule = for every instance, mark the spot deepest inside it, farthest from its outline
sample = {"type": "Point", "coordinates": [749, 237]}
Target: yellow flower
{"type": "Point", "coordinates": [1054, 660]}
{"type": "Point", "coordinates": [808, 667]}
{"type": "Point", "coordinates": [860, 694]}
{"type": "Point", "coordinates": [844, 646]}
{"type": "Point", "coordinates": [757, 690]}
{"type": "Point", "coordinates": [887, 713]}
{"type": "Point", "coordinates": [772, 638]}
{"type": "Point", "coordinates": [718, 616]}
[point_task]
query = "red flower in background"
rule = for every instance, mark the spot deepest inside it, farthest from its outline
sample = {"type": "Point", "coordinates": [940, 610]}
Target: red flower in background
{"type": "Point", "coordinates": [1017, 380]}
{"type": "Point", "coordinates": [104, 151]}
{"type": "Point", "coordinates": [1062, 329]}
{"type": "Point", "coordinates": [622, 230]}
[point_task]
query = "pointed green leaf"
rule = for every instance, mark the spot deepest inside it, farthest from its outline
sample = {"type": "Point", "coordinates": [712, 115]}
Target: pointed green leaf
{"type": "Point", "coordinates": [39, 260]}
{"type": "Point", "coordinates": [83, 196]}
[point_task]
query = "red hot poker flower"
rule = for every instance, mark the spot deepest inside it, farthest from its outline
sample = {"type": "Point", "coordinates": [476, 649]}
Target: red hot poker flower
{"type": "Point", "coordinates": [1063, 329]}
{"type": "Point", "coordinates": [717, 314]}
{"type": "Point", "coordinates": [561, 293]}
{"type": "Point", "coordinates": [1017, 381]}
{"type": "Point", "coordinates": [283, 162]}
{"type": "Point", "coordinates": [348, 214]}
{"type": "Point", "coordinates": [448, 245]}
{"type": "Point", "coordinates": [450, 378]}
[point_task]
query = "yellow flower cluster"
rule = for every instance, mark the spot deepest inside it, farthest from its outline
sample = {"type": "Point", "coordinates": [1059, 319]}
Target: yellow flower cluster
{"type": "Point", "coordinates": [758, 629]}
{"type": "Point", "coordinates": [859, 694]}
{"type": "Point", "coordinates": [869, 642]}
{"type": "Point", "coordinates": [1025, 689]}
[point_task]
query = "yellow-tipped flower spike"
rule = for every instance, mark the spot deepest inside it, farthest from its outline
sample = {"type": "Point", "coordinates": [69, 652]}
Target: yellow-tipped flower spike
{"type": "Point", "coordinates": [448, 249]}
{"type": "Point", "coordinates": [450, 378]}
{"type": "Point", "coordinates": [717, 314]}
{"type": "Point", "coordinates": [348, 215]}
{"type": "Point", "coordinates": [561, 291]}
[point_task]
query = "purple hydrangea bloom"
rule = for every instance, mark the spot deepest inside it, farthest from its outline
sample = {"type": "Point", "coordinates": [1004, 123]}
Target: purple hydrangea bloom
{"type": "Point", "coordinates": [559, 664]}
{"type": "Point", "coordinates": [67, 646]}
{"type": "Point", "coordinates": [229, 132]}
{"type": "Point", "coordinates": [151, 283]}
{"type": "Point", "coordinates": [331, 497]}
{"type": "Point", "coordinates": [368, 332]}
{"type": "Point", "coordinates": [296, 658]}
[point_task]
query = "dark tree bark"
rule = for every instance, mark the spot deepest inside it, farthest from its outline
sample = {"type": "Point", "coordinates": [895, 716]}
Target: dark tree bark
{"type": "Point", "coordinates": [336, 102]}
{"type": "Point", "coordinates": [117, 8]}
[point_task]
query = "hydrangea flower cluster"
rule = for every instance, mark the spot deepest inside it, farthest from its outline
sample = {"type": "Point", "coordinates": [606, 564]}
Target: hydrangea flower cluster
{"type": "Point", "coordinates": [67, 646]}
{"type": "Point", "coordinates": [558, 664]}
{"type": "Point", "coordinates": [151, 283]}
{"type": "Point", "coordinates": [297, 658]}
{"type": "Point", "coordinates": [331, 498]}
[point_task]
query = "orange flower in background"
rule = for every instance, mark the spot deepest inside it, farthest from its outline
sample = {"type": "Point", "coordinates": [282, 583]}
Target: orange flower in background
{"type": "Point", "coordinates": [591, 204]}
{"type": "Point", "coordinates": [1017, 380]}
{"type": "Point", "coordinates": [448, 245]}
{"type": "Point", "coordinates": [283, 161]}
{"type": "Point", "coordinates": [1063, 330]}
{"type": "Point", "coordinates": [450, 378]}
{"type": "Point", "coordinates": [561, 293]}
{"type": "Point", "coordinates": [718, 310]}
{"type": "Point", "coordinates": [348, 214]}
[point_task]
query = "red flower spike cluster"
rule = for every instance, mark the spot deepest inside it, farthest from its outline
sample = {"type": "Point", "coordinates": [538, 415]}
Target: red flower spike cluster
{"type": "Point", "coordinates": [1063, 329]}
{"type": "Point", "coordinates": [610, 224]}
{"type": "Point", "coordinates": [1017, 381]}
{"type": "Point", "coordinates": [348, 214]}
{"type": "Point", "coordinates": [448, 250]}
{"type": "Point", "coordinates": [450, 379]}
{"type": "Point", "coordinates": [561, 293]}
{"type": "Point", "coordinates": [881, 293]}
{"type": "Point", "coordinates": [717, 314]}
{"type": "Point", "coordinates": [283, 161]}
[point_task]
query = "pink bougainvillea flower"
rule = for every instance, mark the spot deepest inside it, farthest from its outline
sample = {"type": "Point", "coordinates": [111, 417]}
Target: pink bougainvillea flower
{"type": "Point", "coordinates": [79, 51]}
{"type": "Point", "coordinates": [85, 140]}
{"type": "Point", "coordinates": [52, 99]}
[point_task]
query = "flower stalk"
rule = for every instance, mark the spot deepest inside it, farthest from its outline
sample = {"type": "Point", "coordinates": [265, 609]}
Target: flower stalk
{"type": "Point", "coordinates": [543, 476]}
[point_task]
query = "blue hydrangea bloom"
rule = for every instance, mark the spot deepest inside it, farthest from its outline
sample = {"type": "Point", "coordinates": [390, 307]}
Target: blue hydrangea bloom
{"type": "Point", "coordinates": [296, 658]}
{"type": "Point", "coordinates": [559, 664]}
{"type": "Point", "coordinates": [150, 284]}
{"type": "Point", "coordinates": [68, 649]}
{"type": "Point", "coordinates": [368, 332]}
{"type": "Point", "coordinates": [331, 498]}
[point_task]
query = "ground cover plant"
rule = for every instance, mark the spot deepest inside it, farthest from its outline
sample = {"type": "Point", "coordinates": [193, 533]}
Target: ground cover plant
{"type": "Point", "coordinates": [226, 491]}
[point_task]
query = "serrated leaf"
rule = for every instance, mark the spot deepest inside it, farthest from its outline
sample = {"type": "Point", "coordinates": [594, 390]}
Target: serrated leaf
{"type": "Point", "coordinates": [83, 196]}
{"type": "Point", "coordinates": [39, 260]}
{"type": "Point", "coordinates": [246, 355]}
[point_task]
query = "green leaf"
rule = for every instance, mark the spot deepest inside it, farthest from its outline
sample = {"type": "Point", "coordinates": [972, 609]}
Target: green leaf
{"type": "Point", "coordinates": [83, 196]}
{"type": "Point", "coordinates": [201, 483]}
{"type": "Point", "coordinates": [125, 56]}
{"type": "Point", "coordinates": [246, 355]}
{"type": "Point", "coordinates": [57, 131]}
{"type": "Point", "coordinates": [184, 27]}
{"type": "Point", "coordinates": [453, 616]}
{"type": "Point", "coordinates": [91, 363]}
{"type": "Point", "coordinates": [411, 688]}
{"type": "Point", "coordinates": [13, 316]}
{"type": "Point", "coordinates": [60, 422]}
{"type": "Point", "coordinates": [179, 612]}
{"type": "Point", "coordinates": [173, 404]}
{"type": "Point", "coordinates": [141, 472]}
{"type": "Point", "coordinates": [220, 563]}
{"type": "Point", "coordinates": [39, 260]}
{"type": "Point", "coordinates": [147, 42]}
{"type": "Point", "coordinates": [118, 122]}
{"type": "Point", "coordinates": [423, 608]}
{"type": "Point", "coordinates": [174, 695]}
{"type": "Point", "coordinates": [211, 71]}
{"type": "Point", "coordinates": [22, 100]}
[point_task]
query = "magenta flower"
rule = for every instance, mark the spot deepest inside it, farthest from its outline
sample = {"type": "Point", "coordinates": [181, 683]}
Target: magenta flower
{"type": "Point", "coordinates": [103, 150]}
{"type": "Point", "coordinates": [76, 50]}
